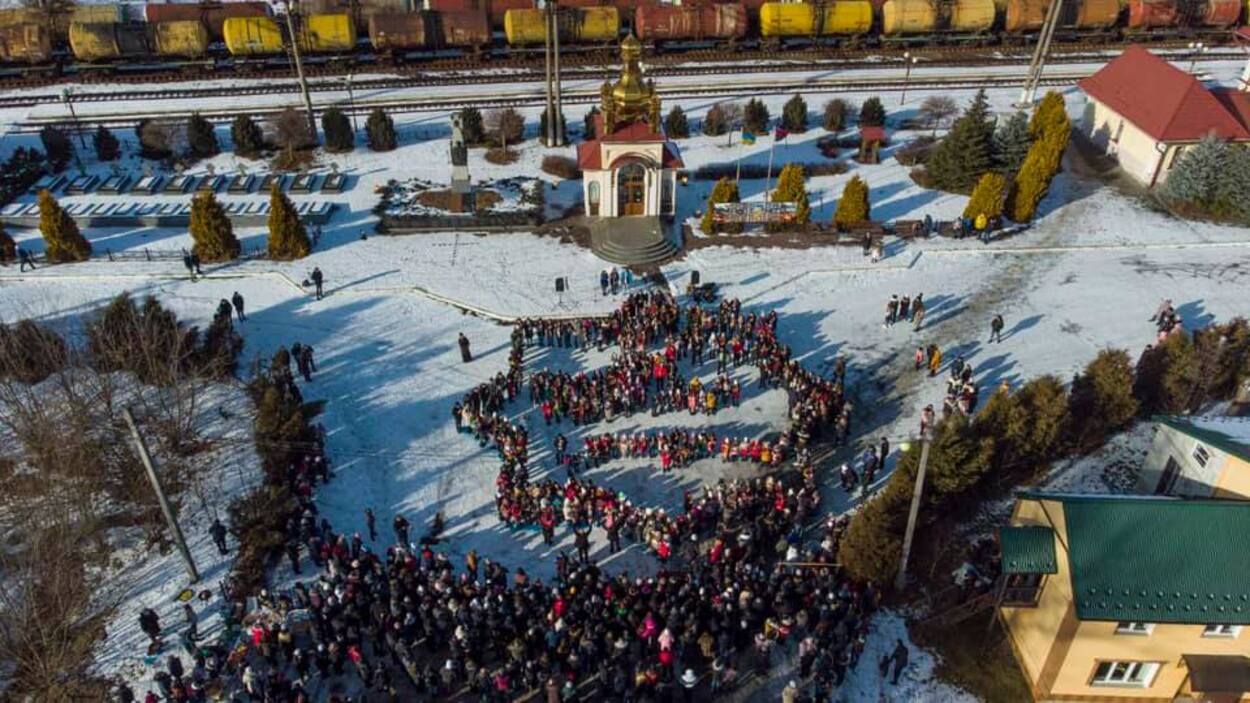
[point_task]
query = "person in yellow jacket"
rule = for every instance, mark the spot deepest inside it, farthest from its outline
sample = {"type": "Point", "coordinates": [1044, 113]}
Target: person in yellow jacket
{"type": "Point", "coordinates": [709, 402]}
{"type": "Point", "coordinates": [766, 454]}
{"type": "Point", "coordinates": [935, 360]}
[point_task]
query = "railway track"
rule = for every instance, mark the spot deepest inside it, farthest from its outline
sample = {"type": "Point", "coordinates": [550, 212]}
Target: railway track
{"type": "Point", "coordinates": [533, 97]}
{"type": "Point", "coordinates": [583, 65]}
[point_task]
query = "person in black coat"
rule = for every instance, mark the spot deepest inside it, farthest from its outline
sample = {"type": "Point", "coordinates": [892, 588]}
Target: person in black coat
{"type": "Point", "coordinates": [318, 279]}
{"type": "Point", "coordinates": [150, 623]}
{"type": "Point", "coordinates": [465, 355]}
{"type": "Point", "coordinates": [237, 300]}
{"type": "Point", "coordinates": [218, 531]}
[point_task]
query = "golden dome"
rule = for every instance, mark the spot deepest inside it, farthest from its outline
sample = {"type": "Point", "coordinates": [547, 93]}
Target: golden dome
{"type": "Point", "coordinates": [631, 96]}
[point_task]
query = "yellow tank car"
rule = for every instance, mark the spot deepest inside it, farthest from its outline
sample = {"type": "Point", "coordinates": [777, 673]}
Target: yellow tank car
{"type": "Point", "coordinates": [186, 38]}
{"type": "Point", "coordinates": [101, 41]}
{"type": "Point", "coordinates": [97, 14]}
{"type": "Point", "coordinates": [972, 16]}
{"type": "Point", "coordinates": [908, 17]}
{"type": "Point", "coordinates": [252, 36]}
{"type": "Point", "coordinates": [11, 16]}
{"type": "Point", "coordinates": [582, 24]}
{"type": "Point", "coordinates": [328, 34]}
{"type": "Point", "coordinates": [787, 19]}
{"type": "Point", "coordinates": [25, 43]}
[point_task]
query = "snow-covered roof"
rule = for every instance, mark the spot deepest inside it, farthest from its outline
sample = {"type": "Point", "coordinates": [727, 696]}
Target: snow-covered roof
{"type": "Point", "coordinates": [1229, 434]}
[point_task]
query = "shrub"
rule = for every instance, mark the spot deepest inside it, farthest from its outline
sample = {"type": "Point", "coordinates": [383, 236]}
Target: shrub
{"type": "Point", "coordinates": [792, 188]}
{"type": "Point", "coordinates": [826, 168]}
{"type": "Point", "coordinates": [58, 147]}
{"type": "Point", "coordinates": [872, 113]}
{"type": "Point", "coordinates": [835, 113]}
{"type": "Point", "coordinates": [715, 122]}
{"type": "Point", "coordinates": [505, 127]}
{"type": "Point", "coordinates": [337, 128]}
{"type": "Point", "coordinates": [853, 207]}
{"type": "Point", "coordinates": [676, 126]}
{"type": "Point", "coordinates": [471, 126]}
{"type": "Point", "coordinates": [794, 114]}
{"type": "Point", "coordinates": [916, 151]}
{"type": "Point", "coordinates": [248, 140]}
{"type": "Point", "coordinates": [755, 116]}
{"type": "Point", "coordinates": [380, 131]}
{"type": "Point", "coordinates": [201, 137]}
{"type": "Point", "coordinates": [106, 145]}
{"type": "Point", "coordinates": [32, 351]}
{"type": "Point", "coordinates": [501, 156]}
{"type": "Point", "coordinates": [1166, 376]}
{"type": "Point", "coordinates": [562, 167]}
{"type": "Point", "coordinates": [153, 140]}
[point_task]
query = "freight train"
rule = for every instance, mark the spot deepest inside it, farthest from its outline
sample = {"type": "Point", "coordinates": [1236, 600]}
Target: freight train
{"type": "Point", "coordinates": [119, 33]}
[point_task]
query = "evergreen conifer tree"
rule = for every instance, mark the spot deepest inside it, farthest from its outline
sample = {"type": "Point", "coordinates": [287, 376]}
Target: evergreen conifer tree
{"type": "Point", "coordinates": [1101, 402]}
{"type": "Point", "coordinates": [58, 147]}
{"type": "Point", "coordinates": [201, 137]}
{"type": "Point", "coordinates": [835, 113]}
{"type": "Point", "coordinates": [715, 122]}
{"type": "Point", "coordinates": [853, 207]}
{"type": "Point", "coordinates": [792, 188]}
{"type": "Point", "coordinates": [873, 543]}
{"type": "Point", "coordinates": [63, 242]}
{"type": "Point", "coordinates": [338, 131]}
{"type": "Point", "coordinates": [794, 114]}
{"type": "Point", "coordinates": [380, 130]}
{"type": "Point", "coordinates": [965, 153]}
{"type": "Point", "coordinates": [1026, 437]}
{"type": "Point", "coordinates": [106, 145]}
{"type": "Point", "coordinates": [1231, 197]}
{"type": "Point", "coordinates": [725, 191]}
{"type": "Point", "coordinates": [1166, 376]}
{"type": "Point", "coordinates": [1011, 144]}
{"type": "Point", "coordinates": [588, 123]}
{"type": "Point", "coordinates": [288, 239]}
{"type": "Point", "coordinates": [211, 229]}
{"type": "Point", "coordinates": [247, 137]}
{"type": "Point", "coordinates": [1198, 173]}
{"type": "Point", "coordinates": [1050, 116]}
{"type": "Point", "coordinates": [471, 126]}
{"type": "Point", "coordinates": [988, 196]}
{"type": "Point", "coordinates": [755, 116]}
{"type": "Point", "coordinates": [676, 126]}
{"type": "Point", "coordinates": [872, 113]}
{"type": "Point", "coordinates": [8, 247]}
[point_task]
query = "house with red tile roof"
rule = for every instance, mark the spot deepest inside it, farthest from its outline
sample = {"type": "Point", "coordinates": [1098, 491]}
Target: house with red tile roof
{"type": "Point", "coordinates": [1146, 112]}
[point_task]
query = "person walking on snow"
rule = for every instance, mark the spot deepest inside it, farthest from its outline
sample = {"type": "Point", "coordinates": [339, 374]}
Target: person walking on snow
{"type": "Point", "coordinates": [218, 532]}
{"type": "Point", "coordinates": [1163, 308]}
{"type": "Point", "coordinates": [996, 329]}
{"type": "Point", "coordinates": [25, 260]}
{"type": "Point", "coordinates": [935, 359]}
{"type": "Point", "coordinates": [900, 656]}
{"type": "Point", "coordinates": [372, 523]}
{"type": "Point", "coordinates": [920, 357]}
{"type": "Point", "coordinates": [237, 300]}
{"type": "Point", "coordinates": [188, 264]}
{"type": "Point", "coordinates": [150, 623]}
{"type": "Point", "coordinates": [401, 530]}
{"type": "Point", "coordinates": [917, 311]}
{"type": "Point", "coordinates": [603, 281]}
{"type": "Point", "coordinates": [192, 620]}
{"type": "Point", "coordinates": [465, 355]}
{"type": "Point", "coordinates": [318, 279]}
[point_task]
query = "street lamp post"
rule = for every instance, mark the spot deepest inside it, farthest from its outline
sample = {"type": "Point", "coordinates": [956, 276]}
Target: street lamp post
{"type": "Point", "coordinates": [1196, 49]}
{"type": "Point", "coordinates": [73, 116]}
{"type": "Point", "coordinates": [908, 62]}
{"type": "Point", "coordinates": [351, 100]}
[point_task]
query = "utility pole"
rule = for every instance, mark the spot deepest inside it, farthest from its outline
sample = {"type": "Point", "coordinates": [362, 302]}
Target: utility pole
{"type": "Point", "coordinates": [558, 115]}
{"type": "Point", "coordinates": [914, 513]}
{"type": "Point", "coordinates": [299, 69]}
{"type": "Point", "coordinates": [549, 24]}
{"type": "Point", "coordinates": [1038, 64]}
{"type": "Point", "coordinates": [170, 519]}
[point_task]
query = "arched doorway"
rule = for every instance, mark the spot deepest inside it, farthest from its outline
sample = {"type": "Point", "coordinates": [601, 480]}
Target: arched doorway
{"type": "Point", "coordinates": [631, 189]}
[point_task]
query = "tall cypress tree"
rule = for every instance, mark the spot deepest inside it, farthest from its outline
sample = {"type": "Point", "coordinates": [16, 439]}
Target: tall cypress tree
{"type": "Point", "coordinates": [794, 114]}
{"type": "Point", "coordinates": [676, 126]}
{"type": "Point", "coordinates": [211, 229]}
{"type": "Point", "coordinates": [792, 188]}
{"type": "Point", "coordinates": [58, 147]}
{"type": "Point", "coordinates": [380, 130]}
{"type": "Point", "coordinates": [106, 146]}
{"type": "Point", "coordinates": [755, 116]}
{"type": "Point", "coordinates": [725, 191]}
{"type": "Point", "coordinates": [63, 241]}
{"type": "Point", "coordinates": [287, 237]}
{"type": "Point", "coordinates": [853, 206]}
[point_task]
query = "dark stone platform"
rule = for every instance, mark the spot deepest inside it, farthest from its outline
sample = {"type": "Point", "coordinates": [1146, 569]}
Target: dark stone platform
{"type": "Point", "coordinates": [632, 241]}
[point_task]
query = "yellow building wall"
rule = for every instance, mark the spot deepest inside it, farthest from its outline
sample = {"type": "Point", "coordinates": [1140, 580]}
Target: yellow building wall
{"type": "Point", "coordinates": [1097, 641]}
{"type": "Point", "coordinates": [1033, 630]}
{"type": "Point", "coordinates": [1234, 481]}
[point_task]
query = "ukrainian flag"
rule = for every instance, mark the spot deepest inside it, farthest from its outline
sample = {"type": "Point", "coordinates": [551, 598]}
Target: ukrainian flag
{"type": "Point", "coordinates": [748, 137]}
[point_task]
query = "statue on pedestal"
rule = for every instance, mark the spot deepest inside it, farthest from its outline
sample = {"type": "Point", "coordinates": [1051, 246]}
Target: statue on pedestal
{"type": "Point", "coordinates": [461, 187]}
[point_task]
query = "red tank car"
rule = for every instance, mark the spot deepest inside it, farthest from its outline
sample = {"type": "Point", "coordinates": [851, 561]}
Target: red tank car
{"type": "Point", "coordinates": [495, 9]}
{"type": "Point", "coordinates": [211, 15]}
{"type": "Point", "coordinates": [1219, 13]}
{"type": "Point", "coordinates": [672, 22]}
{"type": "Point", "coordinates": [1152, 14]}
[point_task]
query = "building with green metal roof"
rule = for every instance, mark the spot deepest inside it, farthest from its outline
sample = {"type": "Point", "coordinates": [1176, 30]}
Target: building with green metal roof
{"type": "Point", "coordinates": [1110, 597]}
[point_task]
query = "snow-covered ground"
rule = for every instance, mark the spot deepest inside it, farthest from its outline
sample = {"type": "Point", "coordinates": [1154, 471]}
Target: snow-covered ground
{"type": "Point", "coordinates": [1085, 277]}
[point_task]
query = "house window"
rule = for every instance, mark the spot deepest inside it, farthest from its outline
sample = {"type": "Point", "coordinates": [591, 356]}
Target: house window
{"type": "Point", "coordinates": [1167, 481]}
{"type": "Point", "coordinates": [592, 194]}
{"type": "Point", "coordinates": [1201, 455]}
{"type": "Point", "coordinates": [1130, 674]}
{"type": "Point", "coordinates": [1022, 590]}
{"type": "Point", "coordinates": [1134, 628]}
{"type": "Point", "coordinates": [1228, 631]}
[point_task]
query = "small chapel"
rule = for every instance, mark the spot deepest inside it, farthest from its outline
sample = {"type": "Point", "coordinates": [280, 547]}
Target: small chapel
{"type": "Point", "coordinates": [630, 168]}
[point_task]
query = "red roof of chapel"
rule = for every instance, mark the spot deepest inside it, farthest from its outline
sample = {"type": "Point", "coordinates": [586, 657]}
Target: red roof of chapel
{"type": "Point", "coordinates": [1163, 101]}
{"type": "Point", "coordinates": [590, 156]}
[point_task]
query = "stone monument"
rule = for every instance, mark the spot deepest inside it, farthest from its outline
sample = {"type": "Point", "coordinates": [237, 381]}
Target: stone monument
{"type": "Point", "coordinates": [461, 187]}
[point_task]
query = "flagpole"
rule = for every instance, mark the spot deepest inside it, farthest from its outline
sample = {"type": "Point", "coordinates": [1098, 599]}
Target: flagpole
{"type": "Point", "coordinates": [769, 179]}
{"type": "Point", "coordinates": [738, 173]}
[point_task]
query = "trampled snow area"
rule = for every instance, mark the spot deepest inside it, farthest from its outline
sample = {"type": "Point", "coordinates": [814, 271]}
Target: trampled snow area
{"type": "Point", "coordinates": [1086, 276]}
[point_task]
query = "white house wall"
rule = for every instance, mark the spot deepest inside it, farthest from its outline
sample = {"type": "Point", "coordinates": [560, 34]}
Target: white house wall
{"type": "Point", "coordinates": [1194, 480]}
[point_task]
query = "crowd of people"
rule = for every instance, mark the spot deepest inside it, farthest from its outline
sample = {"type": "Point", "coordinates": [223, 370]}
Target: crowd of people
{"type": "Point", "coordinates": [904, 310]}
{"type": "Point", "coordinates": [674, 449]}
{"type": "Point", "coordinates": [1167, 321]}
